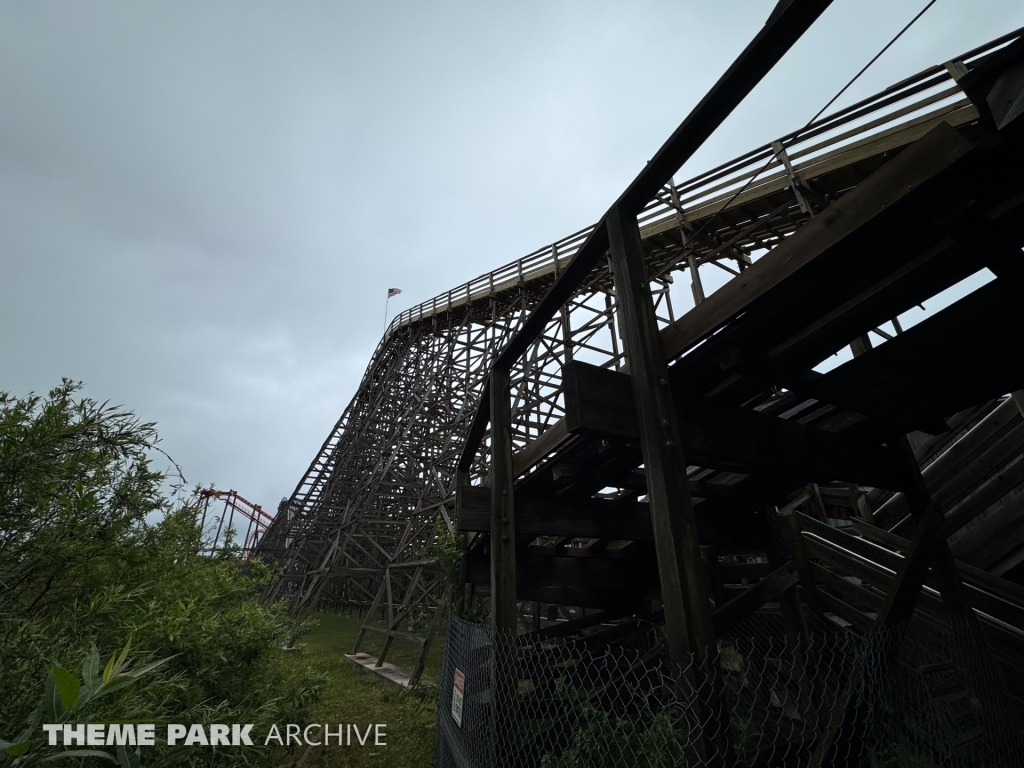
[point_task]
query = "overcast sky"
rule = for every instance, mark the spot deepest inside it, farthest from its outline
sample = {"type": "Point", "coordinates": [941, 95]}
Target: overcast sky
{"type": "Point", "coordinates": [202, 205]}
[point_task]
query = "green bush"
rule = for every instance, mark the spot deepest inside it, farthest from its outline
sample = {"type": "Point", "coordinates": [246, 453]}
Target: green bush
{"type": "Point", "coordinates": [94, 552]}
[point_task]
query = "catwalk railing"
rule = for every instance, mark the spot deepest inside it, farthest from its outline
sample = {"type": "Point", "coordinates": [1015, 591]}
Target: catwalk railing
{"type": "Point", "coordinates": [886, 121]}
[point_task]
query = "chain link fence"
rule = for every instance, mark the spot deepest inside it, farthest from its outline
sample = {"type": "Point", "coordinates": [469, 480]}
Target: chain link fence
{"type": "Point", "coordinates": [924, 696]}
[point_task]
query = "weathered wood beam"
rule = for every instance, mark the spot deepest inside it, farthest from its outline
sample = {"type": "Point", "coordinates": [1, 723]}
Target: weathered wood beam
{"type": "Point", "coordinates": [826, 233]}
{"type": "Point", "coordinates": [927, 549]}
{"type": "Point", "coordinates": [745, 604]}
{"type": "Point", "coordinates": [942, 365]}
{"type": "Point", "coordinates": [955, 459]}
{"type": "Point", "coordinates": [972, 576]}
{"type": "Point", "coordinates": [546, 442]}
{"type": "Point", "coordinates": [600, 573]}
{"type": "Point", "coordinates": [577, 517]}
{"type": "Point", "coordinates": [599, 403]}
{"type": "Point", "coordinates": [502, 523]}
{"type": "Point", "coordinates": [573, 626]}
{"type": "Point", "coordinates": [688, 623]}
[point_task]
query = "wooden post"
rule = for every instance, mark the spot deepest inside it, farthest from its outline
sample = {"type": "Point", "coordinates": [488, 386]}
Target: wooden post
{"type": "Point", "coordinates": [927, 549]}
{"type": "Point", "coordinates": [504, 617]}
{"type": "Point", "coordinates": [459, 588]}
{"type": "Point", "coordinates": [779, 553]}
{"type": "Point", "coordinates": [503, 539]}
{"type": "Point", "coordinates": [688, 619]}
{"type": "Point", "coordinates": [369, 614]}
{"type": "Point", "coordinates": [421, 660]}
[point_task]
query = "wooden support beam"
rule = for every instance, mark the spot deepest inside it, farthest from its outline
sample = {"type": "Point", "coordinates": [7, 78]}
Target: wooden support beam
{"type": "Point", "coordinates": [503, 530]}
{"type": "Point", "coordinates": [743, 605]}
{"type": "Point", "coordinates": [942, 365]}
{"type": "Point", "coordinates": [428, 640]}
{"type": "Point", "coordinates": [504, 615]}
{"type": "Point", "coordinates": [962, 466]}
{"type": "Point", "coordinates": [858, 546]}
{"type": "Point", "coordinates": [867, 571]}
{"type": "Point", "coordinates": [551, 439]}
{"type": "Point", "coordinates": [688, 624]}
{"type": "Point", "coordinates": [781, 551]}
{"type": "Point", "coordinates": [560, 571]}
{"type": "Point", "coordinates": [971, 576]}
{"type": "Point", "coordinates": [869, 600]}
{"type": "Point", "coordinates": [997, 86]}
{"type": "Point", "coordinates": [574, 626]}
{"type": "Point", "coordinates": [825, 234]}
{"type": "Point", "coordinates": [927, 548]}
{"type": "Point", "coordinates": [577, 517]}
{"type": "Point", "coordinates": [599, 402]}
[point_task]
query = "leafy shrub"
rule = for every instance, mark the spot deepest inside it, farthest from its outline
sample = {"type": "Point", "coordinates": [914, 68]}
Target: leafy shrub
{"type": "Point", "coordinates": [604, 739]}
{"type": "Point", "coordinates": [94, 551]}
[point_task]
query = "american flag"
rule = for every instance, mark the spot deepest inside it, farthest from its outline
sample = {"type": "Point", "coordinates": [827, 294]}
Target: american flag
{"type": "Point", "coordinates": [392, 292]}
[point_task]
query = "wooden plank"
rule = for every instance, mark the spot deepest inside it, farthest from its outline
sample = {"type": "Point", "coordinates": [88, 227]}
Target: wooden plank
{"type": "Point", "coordinates": [871, 601]}
{"type": "Point", "coordinates": [872, 573]}
{"type": "Point", "coordinates": [600, 573]}
{"type": "Point", "coordinates": [803, 563]}
{"type": "Point", "coordinates": [846, 612]}
{"type": "Point", "coordinates": [993, 605]}
{"type": "Point", "coordinates": [874, 197]}
{"type": "Point", "coordinates": [977, 577]}
{"type": "Point", "coordinates": [908, 284]}
{"type": "Point", "coordinates": [995, 489]}
{"type": "Point", "coordinates": [955, 459]}
{"type": "Point", "coordinates": [576, 517]}
{"type": "Point", "coordinates": [945, 363]}
{"type": "Point", "coordinates": [740, 607]}
{"type": "Point", "coordinates": [573, 626]}
{"type": "Point", "coordinates": [865, 549]}
{"type": "Point", "coordinates": [477, 429]}
{"type": "Point", "coordinates": [600, 403]}
{"type": "Point", "coordinates": [927, 549]}
{"type": "Point", "coordinates": [982, 601]}
{"type": "Point", "coordinates": [548, 441]}
{"type": "Point", "coordinates": [384, 670]}
{"type": "Point", "coordinates": [910, 576]}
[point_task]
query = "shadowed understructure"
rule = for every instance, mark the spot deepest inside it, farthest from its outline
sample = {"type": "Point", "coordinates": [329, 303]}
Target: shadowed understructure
{"type": "Point", "coordinates": [616, 449]}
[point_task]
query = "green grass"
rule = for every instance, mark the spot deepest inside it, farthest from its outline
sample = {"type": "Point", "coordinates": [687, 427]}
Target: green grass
{"type": "Point", "coordinates": [352, 695]}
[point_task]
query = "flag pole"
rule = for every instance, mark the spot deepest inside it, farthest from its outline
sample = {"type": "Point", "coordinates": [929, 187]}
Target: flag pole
{"type": "Point", "coordinates": [391, 292]}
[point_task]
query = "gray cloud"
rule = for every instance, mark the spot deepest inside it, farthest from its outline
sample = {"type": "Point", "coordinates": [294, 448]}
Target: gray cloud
{"type": "Point", "coordinates": [202, 204]}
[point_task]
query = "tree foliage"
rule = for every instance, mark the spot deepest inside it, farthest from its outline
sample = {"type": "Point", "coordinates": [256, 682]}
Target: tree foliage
{"type": "Point", "coordinates": [94, 553]}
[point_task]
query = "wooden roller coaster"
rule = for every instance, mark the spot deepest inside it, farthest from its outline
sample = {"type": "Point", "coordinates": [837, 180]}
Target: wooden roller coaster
{"type": "Point", "coordinates": [608, 444]}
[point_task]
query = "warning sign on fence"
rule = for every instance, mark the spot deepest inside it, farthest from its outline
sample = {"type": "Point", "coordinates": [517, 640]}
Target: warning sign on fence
{"type": "Point", "coordinates": [959, 710]}
{"type": "Point", "coordinates": [458, 692]}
